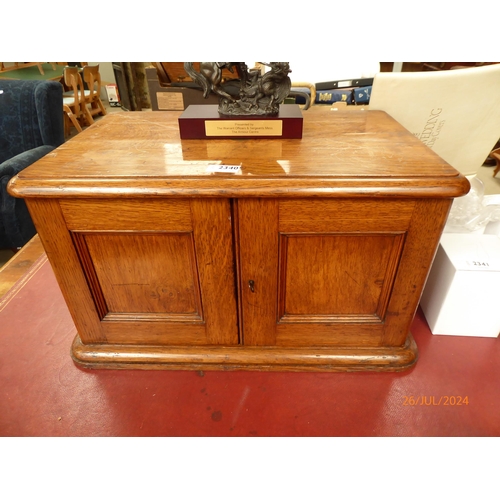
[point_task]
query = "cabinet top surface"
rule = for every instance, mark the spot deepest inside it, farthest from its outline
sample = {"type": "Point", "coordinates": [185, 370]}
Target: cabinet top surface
{"type": "Point", "coordinates": [141, 153]}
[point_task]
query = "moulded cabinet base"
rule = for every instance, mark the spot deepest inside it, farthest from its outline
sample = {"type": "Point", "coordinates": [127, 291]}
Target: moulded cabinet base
{"type": "Point", "coordinates": [245, 358]}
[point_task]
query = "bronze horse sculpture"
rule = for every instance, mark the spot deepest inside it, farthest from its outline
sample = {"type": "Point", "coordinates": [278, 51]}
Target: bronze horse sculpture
{"type": "Point", "coordinates": [209, 78]}
{"type": "Point", "coordinates": [258, 94]}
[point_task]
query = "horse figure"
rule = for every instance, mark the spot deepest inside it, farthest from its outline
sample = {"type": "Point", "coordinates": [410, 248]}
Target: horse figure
{"type": "Point", "coordinates": [270, 90]}
{"type": "Point", "coordinates": [209, 78]}
{"type": "Point", "coordinates": [258, 94]}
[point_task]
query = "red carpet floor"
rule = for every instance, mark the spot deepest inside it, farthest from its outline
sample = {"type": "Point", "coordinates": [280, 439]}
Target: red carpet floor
{"type": "Point", "coordinates": [454, 389]}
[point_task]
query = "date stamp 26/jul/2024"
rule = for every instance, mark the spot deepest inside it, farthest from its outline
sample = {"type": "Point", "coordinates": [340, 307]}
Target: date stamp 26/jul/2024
{"type": "Point", "coordinates": [435, 400]}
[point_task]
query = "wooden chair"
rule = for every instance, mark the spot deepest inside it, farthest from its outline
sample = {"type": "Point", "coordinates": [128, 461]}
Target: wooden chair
{"type": "Point", "coordinates": [495, 154]}
{"type": "Point", "coordinates": [92, 78]}
{"type": "Point", "coordinates": [74, 100]}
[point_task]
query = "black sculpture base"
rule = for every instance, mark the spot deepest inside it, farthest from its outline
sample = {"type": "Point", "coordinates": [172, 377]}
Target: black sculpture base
{"type": "Point", "coordinates": [205, 122]}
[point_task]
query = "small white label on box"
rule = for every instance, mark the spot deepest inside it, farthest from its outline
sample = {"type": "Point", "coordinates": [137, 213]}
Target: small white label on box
{"type": "Point", "coordinates": [227, 169]}
{"type": "Point", "coordinates": [492, 265]}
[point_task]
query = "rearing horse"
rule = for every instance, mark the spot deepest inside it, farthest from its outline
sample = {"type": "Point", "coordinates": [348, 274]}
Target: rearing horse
{"type": "Point", "coordinates": [209, 78]}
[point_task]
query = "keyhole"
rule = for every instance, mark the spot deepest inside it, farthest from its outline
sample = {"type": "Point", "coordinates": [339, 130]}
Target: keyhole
{"type": "Point", "coordinates": [251, 285]}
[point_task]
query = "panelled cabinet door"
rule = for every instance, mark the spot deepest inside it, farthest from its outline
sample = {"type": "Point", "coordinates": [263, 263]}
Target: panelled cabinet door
{"type": "Point", "coordinates": [157, 272]}
{"type": "Point", "coordinates": [333, 272]}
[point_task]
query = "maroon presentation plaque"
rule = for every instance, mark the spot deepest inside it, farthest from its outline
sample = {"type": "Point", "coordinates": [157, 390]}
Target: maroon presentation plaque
{"type": "Point", "coordinates": [204, 122]}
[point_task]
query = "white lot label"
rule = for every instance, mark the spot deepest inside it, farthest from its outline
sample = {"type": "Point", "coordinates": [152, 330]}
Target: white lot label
{"type": "Point", "coordinates": [228, 169]}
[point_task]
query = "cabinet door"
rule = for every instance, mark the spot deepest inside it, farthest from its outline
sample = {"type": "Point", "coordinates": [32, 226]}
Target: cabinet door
{"type": "Point", "coordinates": [142, 271]}
{"type": "Point", "coordinates": [334, 272]}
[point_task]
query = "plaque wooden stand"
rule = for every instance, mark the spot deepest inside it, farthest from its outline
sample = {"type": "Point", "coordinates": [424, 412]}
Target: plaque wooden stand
{"type": "Point", "coordinates": [205, 122]}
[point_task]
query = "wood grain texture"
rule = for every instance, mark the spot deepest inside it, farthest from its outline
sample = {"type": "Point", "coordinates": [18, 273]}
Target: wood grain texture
{"type": "Point", "coordinates": [337, 276]}
{"type": "Point", "coordinates": [147, 273]}
{"type": "Point", "coordinates": [334, 284]}
{"type": "Point", "coordinates": [420, 247]}
{"type": "Point", "coordinates": [129, 215]}
{"type": "Point", "coordinates": [144, 287]}
{"type": "Point", "coordinates": [63, 256]}
{"type": "Point", "coordinates": [313, 257]}
{"type": "Point", "coordinates": [258, 250]}
{"type": "Point", "coordinates": [125, 330]}
{"type": "Point", "coordinates": [213, 239]}
{"type": "Point", "coordinates": [345, 215]}
{"type": "Point", "coordinates": [355, 153]}
{"type": "Point", "coordinates": [364, 332]}
{"type": "Point", "coordinates": [246, 358]}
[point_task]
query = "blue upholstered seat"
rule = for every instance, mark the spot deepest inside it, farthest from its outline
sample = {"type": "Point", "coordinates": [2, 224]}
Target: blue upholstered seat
{"type": "Point", "coordinates": [31, 125]}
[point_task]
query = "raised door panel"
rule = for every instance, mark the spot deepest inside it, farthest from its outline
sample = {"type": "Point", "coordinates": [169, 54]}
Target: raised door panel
{"type": "Point", "coordinates": [336, 277]}
{"type": "Point", "coordinates": [333, 272]}
{"type": "Point", "coordinates": [158, 272]}
{"type": "Point", "coordinates": [143, 274]}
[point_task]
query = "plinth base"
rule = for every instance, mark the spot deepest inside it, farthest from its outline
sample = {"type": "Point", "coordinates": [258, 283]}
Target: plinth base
{"type": "Point", "coordinates": [205, 122]}
{"type": "Point", "coordinates": [245, 358]}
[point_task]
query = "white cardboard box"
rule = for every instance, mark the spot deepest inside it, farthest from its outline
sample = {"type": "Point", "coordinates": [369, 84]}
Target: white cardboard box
{"type": "Point", "coordinates": [462, 293]}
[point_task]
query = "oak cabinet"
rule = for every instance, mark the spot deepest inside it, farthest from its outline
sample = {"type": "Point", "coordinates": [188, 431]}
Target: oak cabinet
{"type": "Point", "coordinates": [295, 264]}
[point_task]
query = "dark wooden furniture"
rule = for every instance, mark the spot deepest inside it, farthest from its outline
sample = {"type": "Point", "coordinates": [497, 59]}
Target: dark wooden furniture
{"type": "Point", "coordinates": [74, 107]}
{"type": "Point", "coordinates": [495, 155]}
{"type": "Point", "coordinates": [92, 79]}
{"type": "Point", "coordinates": [313, 257]}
